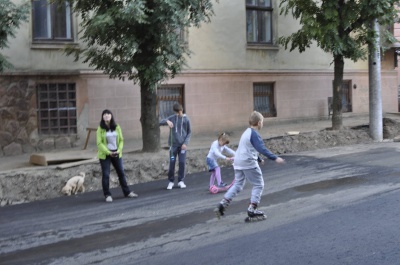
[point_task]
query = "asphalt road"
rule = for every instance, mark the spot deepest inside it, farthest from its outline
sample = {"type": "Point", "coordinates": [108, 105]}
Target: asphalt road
{"type": "Point", "coordinates": [333, 206]}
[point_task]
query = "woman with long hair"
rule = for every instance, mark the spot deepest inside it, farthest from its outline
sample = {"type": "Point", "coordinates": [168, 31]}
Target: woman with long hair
{"type": "Point", "coordinates": [110, 143]}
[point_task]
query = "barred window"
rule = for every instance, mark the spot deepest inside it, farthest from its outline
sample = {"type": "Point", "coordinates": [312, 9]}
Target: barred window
{"type": "Point", "coordinates": [167, 96]}
{"type": "Point", "coordinates": [182, 35]}
{"type": "Point", "coordinates": [346, 96]}
{"type": "Point", "coordinates": [56, 109]}
{"type": "Point", "coordinates": [264, 99]}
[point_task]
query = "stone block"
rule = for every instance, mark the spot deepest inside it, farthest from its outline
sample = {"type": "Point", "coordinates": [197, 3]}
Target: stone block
{"type": "Point", "coordinates": [46, 144]}
{"type": "Point", "coordinates": [63, 142]}
{"type": "Point", "coordinates": [13, 149]}
{"type": "Point", "coordinates": [5, 138]}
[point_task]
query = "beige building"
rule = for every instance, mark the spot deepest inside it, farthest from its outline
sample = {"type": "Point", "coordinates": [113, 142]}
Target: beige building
{"type": "Point", "coordinates": [49, 100]}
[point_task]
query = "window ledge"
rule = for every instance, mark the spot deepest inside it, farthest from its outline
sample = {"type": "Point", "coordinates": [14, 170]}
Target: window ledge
{"type": "Point", "coordinates": [262, 47]}
{"type": "Point", "coordinates": [51, 45]}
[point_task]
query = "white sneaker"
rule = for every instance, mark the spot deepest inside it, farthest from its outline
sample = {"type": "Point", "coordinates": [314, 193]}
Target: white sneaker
{"type": "Point", "coordinates": [170, 186]}
{"type": "Point", "coordinates": [181, 185]}
{"type": "Point", "coordinates": [132, 195]}
{"type": "Point", "coordinates": [108, 199]}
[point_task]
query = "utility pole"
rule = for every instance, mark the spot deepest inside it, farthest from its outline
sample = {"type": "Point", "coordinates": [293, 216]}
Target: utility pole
{"type": "Point", "coordinates": [375, 89]}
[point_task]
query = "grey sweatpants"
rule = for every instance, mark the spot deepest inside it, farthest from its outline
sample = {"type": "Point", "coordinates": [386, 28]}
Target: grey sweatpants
{"type": "Point", "coordinates": [255, 177]}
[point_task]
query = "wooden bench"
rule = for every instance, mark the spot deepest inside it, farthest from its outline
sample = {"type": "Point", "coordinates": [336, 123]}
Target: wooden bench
{"type": "Point", "coordinates": [46, 159]}
{"type": "Point", "coordinates": [330, 110]}
{"type": "Point", "coordinates": [89, 130]}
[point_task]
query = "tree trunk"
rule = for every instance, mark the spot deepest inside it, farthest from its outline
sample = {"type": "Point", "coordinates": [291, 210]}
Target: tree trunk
{"type": "Point", "coordinates": [149, 118]}
{"type": "Point", "coordinates": [375, 89]}
{"type": "Point", "coordinates": [337, 93]}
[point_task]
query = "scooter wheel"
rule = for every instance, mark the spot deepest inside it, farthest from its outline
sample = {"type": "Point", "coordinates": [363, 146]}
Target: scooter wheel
{"type": "Point", "coordinates": [214, 189]}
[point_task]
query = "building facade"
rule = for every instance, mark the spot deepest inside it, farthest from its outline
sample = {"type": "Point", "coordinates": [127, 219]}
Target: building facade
{"type": "Point", "coordinates": [49, 100]}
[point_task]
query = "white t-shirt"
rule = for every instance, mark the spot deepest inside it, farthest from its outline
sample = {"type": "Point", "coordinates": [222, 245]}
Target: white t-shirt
{"type": "Point", "coordinates": [216, 151]}
{"type": "Point", "coordinates": [111, 137]}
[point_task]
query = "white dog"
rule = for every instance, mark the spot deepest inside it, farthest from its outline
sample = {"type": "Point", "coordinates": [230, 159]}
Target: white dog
{"type": "Point", "coordinates": [74, 185]}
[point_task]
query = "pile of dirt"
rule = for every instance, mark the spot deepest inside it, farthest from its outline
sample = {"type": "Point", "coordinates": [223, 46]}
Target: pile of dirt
{"type": "Point", "coordinates": [319, 140]}
{"type": "Point", "coordinates": [21, 186]}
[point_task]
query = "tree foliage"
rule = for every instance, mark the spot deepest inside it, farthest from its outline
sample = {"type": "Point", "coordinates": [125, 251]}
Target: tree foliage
{"type": "Point", "coordinates": [11, 17]}
{"type": "Point", "coordinates": [138, 40]}
{"type": "Point", "coordinates": [124, 38]}
{"type": "Point", "coordinates": [339, 27]}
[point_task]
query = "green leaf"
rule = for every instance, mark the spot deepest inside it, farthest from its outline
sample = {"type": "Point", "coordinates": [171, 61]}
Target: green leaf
{"type": "Point", "coordinates": [11, 17]}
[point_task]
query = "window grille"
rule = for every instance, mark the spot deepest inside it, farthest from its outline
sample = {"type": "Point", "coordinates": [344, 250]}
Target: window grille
{"type": "Point", "coordinates": [264, 101]}
{"type": "Point", "coordinates": [346, 96]}
{"type": "Point", "coordinates": [57, 109]}
{"type": "Point", "coordinates": [167, 96]}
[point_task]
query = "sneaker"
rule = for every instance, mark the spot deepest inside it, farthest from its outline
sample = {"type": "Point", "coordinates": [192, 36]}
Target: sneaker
{"type": "Point", "coordinates": [181, 185]}
{"type": "Point", "coordinates": [170, 186]}
{"type": "Point", "coordinates": [132, 195]}
{"type": "Point", "coordinates": [222, 184]}
{"type": "Point", "coordinates": [109, 199]}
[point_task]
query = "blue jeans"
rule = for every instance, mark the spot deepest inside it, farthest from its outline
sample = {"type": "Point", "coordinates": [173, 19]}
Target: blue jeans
{"type": "Point", "coordinates": [211, 164]}
{"type": "Point", "coordinates": [119, 168]}
{"type": "Point", "coordinates": [176, 151]}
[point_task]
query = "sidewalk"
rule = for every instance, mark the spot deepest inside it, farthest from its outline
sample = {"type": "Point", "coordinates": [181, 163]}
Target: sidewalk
{"type": "Point", "coordinates": [270, 129]}
{"type": "Point", "coordinates": [203, 141]}
{"type": "Point", "coordinates": [280, 128]}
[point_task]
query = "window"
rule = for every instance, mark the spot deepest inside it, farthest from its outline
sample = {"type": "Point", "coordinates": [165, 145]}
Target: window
{"type": "Point", "coordinates": [51, 21]}
{"type": "Point", "coordinates": [181, 34]}
{"type": "Point", "coordinates": [259, 21]}
{"type": "Point", "coordinates": [56, 109]}
{"type": "Point", "coordinates": [167, 96]}
{"type": "Point", "coordinates": [264, 101]}
{"type": "Point", "coordinates": [346, 96]}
